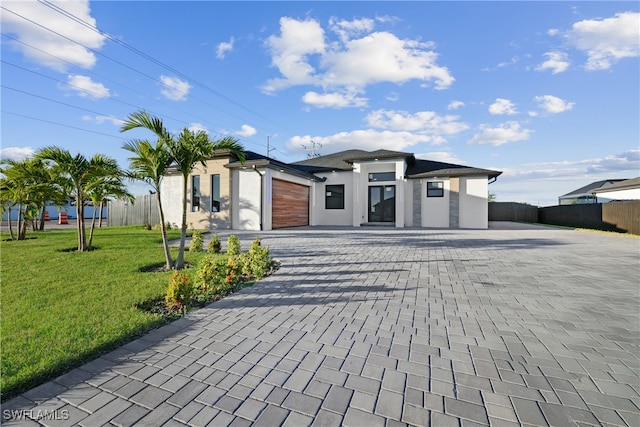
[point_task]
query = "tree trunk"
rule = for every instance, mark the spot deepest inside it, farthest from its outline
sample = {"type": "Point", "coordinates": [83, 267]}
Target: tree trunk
{"type": "Point", "coordinates": [163, 227]}
{"type": "Point", "coordinates": [82, 239]}
{"type": "Point", "coordinates": [20, 221]}
{"type": "Point", "coordinates": [44, 209]}
{"type": "Point", "coordinates": [10, 224]}
{"type": "Point", "coordinates": [93, 226]}
{"type": "Point", "coordinates": [100, 220]}
{"type": "Point", "coordinates": [183, 235]}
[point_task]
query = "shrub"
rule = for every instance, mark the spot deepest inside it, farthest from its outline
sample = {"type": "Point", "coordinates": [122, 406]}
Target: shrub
{"type": "Point", "coordinates": [256, 262]}
{"type": "Point", "coordinates": [180, 290]}
{"type": "Point", "coordinates": [216, 276]}
{"type": "Point", "coordinates": [197, 244]}
{"type": "Point", "coordinates": [214, 245]}
{"type": "Point", "coordinates": [233, 245]}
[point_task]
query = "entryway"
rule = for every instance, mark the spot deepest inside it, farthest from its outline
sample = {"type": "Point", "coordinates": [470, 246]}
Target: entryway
{"type": "Point", "coordinates": [382, 203]}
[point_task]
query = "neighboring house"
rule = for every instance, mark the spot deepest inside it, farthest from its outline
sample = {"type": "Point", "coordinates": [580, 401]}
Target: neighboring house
{"type": "Point", "coordinates": [584, 195]}
{"type": "Point", "coordinates": [350, 188]}
{"type": "Point", "coordinates": [628, 189]}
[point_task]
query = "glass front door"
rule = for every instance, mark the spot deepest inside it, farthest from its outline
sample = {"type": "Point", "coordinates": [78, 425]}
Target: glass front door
{"type": "Point", "coordinates": [382, 203]}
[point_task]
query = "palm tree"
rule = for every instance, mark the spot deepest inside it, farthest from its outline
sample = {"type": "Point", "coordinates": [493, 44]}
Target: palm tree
{"type": "Point", "coordinates": [186, 150]}
{"type": "Point", "coordinates": [189, 149]}
{"type": "Point", "coordinates": [99, 191]}
{"type": "Point", "coordinates": [80, 171]}
{"type": "Point", "coordinates": [149, 163]}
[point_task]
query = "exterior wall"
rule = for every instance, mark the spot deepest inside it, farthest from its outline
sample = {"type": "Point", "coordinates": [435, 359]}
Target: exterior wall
{"type": "Point", "coordinates": [246, 200]}
{"type": "Point", "coordinates": [171, 188]}
{"type": "Point", "coordinates": [325, 216]}
{"type": "Point", "coordinates": [204, 218]}
{"type": "Point", "coordinates": [627, 194]}
{"type": "Point", "coordinates": [435, 210]}
{"type": "Point", "coordinates": [474, 210]}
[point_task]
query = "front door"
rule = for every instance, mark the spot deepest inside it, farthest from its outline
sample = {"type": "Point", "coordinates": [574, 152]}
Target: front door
{"type": "Point", "coordinates": [382, 203]}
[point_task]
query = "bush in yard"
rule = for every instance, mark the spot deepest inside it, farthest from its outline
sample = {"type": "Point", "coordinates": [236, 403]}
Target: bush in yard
{"type": "Point", "coordinates": [214, 245]}
{"type": "Point", "coordinates": [197, 243]}
{"type": "Point", "coordinates": [180, 291]}
{"type": "Point", "coordinates": [233, 245]}
{"type": "Point", "coordinates": [256, 262]}
{"type": "Point", "coordinates": [216, 277]}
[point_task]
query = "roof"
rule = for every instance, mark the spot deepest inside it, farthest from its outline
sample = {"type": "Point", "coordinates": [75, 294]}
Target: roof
{"type": "Point", "coordinates": [622, 185]}
{"type": "Point", "coordinates": [258, 160]}
{"type": "Point", "coordinates": [588, 189]}
{"type": "Point", "coordinates": [417, 168]}
{"type": "Point", "coordinates": [345, 159]}
{"type": "Point", "coordinates": [432, 169]}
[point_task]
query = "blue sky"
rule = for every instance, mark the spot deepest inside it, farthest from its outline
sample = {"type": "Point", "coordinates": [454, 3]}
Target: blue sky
{"type": "Point", "coordinates": [547, 92]}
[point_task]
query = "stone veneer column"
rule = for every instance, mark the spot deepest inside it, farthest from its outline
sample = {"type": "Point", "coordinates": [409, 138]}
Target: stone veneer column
{"type": "Point", "coordinates": [417, 203]}
{"type": "Point", "coordinates": [454, 203]}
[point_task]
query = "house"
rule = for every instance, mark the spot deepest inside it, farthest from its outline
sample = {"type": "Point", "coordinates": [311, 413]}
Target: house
{"type": "Point", "coordinates": [584, 195]}
{"type": "Point", "coordinates": [628, 189]}
{"type": "Point", "coordinates": [349, 188]}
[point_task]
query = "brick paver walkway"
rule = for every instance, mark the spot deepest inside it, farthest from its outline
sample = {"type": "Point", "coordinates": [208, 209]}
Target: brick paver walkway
{"type": "Point", "coordinates": [383, 327]}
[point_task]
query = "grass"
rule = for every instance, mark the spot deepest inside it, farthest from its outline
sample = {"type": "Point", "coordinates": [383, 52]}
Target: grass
{"type": "Point", "coordinates": [61, 308]}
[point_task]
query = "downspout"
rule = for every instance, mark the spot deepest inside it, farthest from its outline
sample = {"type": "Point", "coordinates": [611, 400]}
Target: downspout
{"type": "Point", "coordinates": [261, 194]}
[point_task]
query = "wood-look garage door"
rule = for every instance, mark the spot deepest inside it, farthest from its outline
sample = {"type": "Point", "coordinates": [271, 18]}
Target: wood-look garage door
{"type": "Point", "coordinates": [290, 204]}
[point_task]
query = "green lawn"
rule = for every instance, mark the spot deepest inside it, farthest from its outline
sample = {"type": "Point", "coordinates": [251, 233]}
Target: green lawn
{"type": "Point", "coordinates": [61, 308]}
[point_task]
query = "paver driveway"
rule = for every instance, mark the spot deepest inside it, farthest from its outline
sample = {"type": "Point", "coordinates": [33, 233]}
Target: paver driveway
{"type": "Point", "coordinates": [368, 327]}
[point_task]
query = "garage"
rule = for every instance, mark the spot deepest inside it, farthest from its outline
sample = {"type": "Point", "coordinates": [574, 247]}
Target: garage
{"type": "Point", "coordinates": [290, 204]}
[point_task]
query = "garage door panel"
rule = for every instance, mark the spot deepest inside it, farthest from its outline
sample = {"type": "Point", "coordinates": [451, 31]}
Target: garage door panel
{"type": "Point", "coordinates": [290, 204]}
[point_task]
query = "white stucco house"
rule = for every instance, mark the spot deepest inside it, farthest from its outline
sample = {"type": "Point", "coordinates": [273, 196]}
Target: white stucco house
{"type": "Point", "coordinates": [628, 189]}
{"type": "Point", "coordinates": [349, 188]}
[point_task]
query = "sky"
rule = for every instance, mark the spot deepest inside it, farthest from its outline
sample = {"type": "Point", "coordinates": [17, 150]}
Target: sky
{"type": "Point", "coordinates": [546, 92]}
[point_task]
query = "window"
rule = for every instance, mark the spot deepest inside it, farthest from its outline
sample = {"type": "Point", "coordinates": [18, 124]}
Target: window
{"type": "Point", "coordinates": [334, 197]}
{"type": "Point", "coordinates": [195, 193]}
{"type": "Point", "coordinates": [215, 193]}
{"type": "Point", "coordinates": [382, 176]}
{"type": "Point", "coordinates": [435, 189]}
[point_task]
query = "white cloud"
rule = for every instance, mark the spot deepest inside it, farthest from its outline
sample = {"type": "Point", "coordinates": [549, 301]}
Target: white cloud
{"type": "Point", "coordinates": [333, 100]}
{"type": "Point", "coordinates": [174, 89]}
{"type": "Point", "coordinates": [246, 130]}
{"type": "Point", "coordinates": [606, 41]}
{"type": "Point", "coordinates": [223, 48]}
{"type": "Point", "coordinates": [392, 96]}
{"type": "Point", "coordinates": [502, 134]}
{"type": "Point", "coordinates": [16, 153]}
{"type": "Point", "coordinates": [502, 106]}
{"type": "Point", "coordinates": [454, 105]}
{"type": "Point", "coordinates": [425, 122]}
{"type": "Point", "coordinates": [197, 127]}
{"type": "Point", "coordinates": [60, 52]}
{"type": "Point", "coordinates": [553, 104]}
{"type": "Point", "coordinates": [104, 119]}
{"type": "Point", "coordinates": [304, 56]}
{"type": "Point", "coordinates": [86, 88]}
{"type": "Point", "coordinates": [348, 29]}
{"type": "Point", "coordinates": [557, 62]}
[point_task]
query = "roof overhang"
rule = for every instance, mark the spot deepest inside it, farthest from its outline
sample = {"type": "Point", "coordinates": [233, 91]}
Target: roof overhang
{"type": "Point", "coordinates": [277, 166]}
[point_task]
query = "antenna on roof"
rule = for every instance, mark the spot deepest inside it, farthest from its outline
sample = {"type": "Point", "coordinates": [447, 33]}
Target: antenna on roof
{"type": "Point", "coordinates": [313, 153]}
{"type": "Point", "coordinates": [269, 149]}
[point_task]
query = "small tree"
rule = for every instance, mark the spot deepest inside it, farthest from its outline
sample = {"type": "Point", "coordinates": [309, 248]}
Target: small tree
{"type": "Point", "coordinates": [233, 245]}
{"type": "Point", "coordinates": [214, 246]}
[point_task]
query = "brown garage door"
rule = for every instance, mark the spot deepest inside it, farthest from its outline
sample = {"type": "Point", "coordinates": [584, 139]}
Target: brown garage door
{"type": "Point", "coordinates": [290, 204]}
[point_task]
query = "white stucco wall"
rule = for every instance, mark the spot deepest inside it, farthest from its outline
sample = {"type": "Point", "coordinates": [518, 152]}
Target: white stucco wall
{"type": "Point", "coordinates": [628, 194]}
{"type": "Point", "coordinates": [435, 210]}
{"type": "Point", "coordinates": [361, 188]}
{"type": "Point", "coordinates": [171, 189]}
{"type": "Point", "coordinates": [325, 216]}
{"type": "Point", "coordinates": [474, 209]}
{"type": "Point", "coordinates": [247, 200]}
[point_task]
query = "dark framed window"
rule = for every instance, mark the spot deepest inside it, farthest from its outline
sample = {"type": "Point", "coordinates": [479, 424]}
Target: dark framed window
{"type": "Point", "coordinates": [382, 176]}
{"type": "Point", "coordinates": [215, 193]}
{"type": "Point", "coordinates": [435, 189]}
{"type": "Point", "coordinates": [195, 193]}
{"type": "Point", "coordinates": [334, 197]}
